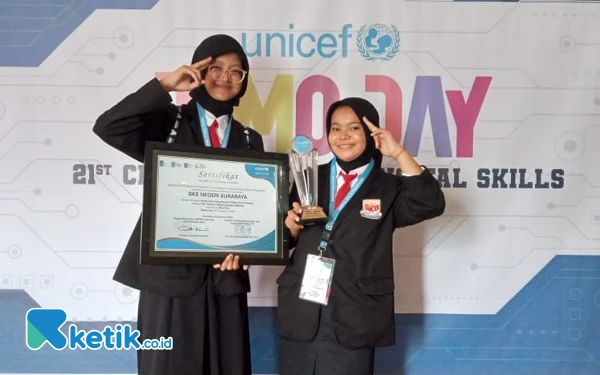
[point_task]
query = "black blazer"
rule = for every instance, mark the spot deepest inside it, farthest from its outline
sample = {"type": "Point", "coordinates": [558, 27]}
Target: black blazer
{"type": "Point", "coordinates": [362, 290]}
{"type": "Point", "coordinates": [149, 115]}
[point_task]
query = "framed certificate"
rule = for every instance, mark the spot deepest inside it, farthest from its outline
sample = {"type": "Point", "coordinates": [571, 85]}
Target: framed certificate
{"type": "Point", "coordinates": [201, 204]}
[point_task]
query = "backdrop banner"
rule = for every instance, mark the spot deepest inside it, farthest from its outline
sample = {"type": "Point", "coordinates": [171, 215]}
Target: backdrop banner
{"type": "Point", "coordinates": [501, 100]}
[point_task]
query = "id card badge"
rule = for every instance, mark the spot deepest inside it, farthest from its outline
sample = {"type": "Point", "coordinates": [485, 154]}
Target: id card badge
{"type": "Point", "coordinates": [316, 283]}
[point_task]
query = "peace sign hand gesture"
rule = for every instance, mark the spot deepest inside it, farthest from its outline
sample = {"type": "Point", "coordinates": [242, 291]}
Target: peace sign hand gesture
{"type": "Point", "coordinates": [384, 141]}
{"type": "Point", "coordinates": [186, 77]}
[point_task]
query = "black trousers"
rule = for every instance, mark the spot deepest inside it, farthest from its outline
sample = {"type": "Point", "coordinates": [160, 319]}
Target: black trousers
{"type": "Point", "coordinates": [324, 355]}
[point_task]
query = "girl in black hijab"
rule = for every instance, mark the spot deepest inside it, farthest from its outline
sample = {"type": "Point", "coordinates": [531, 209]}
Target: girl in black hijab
{"type": "Point", "coordinates": [361, 108]}
{"type": "Point", "coordinates": [336, 296]}
{"type": "Point", "coordinates": [202, 308]}
{"type": "Point", "coordinates": [214, 47]}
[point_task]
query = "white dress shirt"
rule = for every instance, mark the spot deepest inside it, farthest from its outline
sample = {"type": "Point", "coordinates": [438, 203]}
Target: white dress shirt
{"type": "Point", "coordinates": [340, 178]}
{"type": "Point", "coordinates": [222, 121]}
{"type": "Point", "coordinates": [358, 171]}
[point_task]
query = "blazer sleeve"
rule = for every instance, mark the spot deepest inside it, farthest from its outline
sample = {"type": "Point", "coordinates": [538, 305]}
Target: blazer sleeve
{"type": "Point", "coordinates": [145, 115]}
{"type": "Point", "coordinates": [256, 140]}
{"type": "Point", "coordinates": [418, 198]}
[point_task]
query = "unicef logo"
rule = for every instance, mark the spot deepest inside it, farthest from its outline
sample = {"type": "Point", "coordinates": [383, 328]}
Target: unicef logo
{"type": "Point", "coordinates": [378, 42]}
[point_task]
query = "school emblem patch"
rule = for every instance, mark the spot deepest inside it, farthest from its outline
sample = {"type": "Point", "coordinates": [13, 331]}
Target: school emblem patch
{"type": "Point", "coordinates": [371, 209]}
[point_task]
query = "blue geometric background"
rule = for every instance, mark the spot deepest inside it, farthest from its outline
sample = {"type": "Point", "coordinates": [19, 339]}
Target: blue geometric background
{"type": "Point", "coordinates": [30, 30]}
{"type": "Point", "coordinates": [550, 327]}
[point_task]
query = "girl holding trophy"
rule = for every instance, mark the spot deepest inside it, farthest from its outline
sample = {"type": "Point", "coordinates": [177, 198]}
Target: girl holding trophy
{"type": "Point", "coordinates": [336, 295]}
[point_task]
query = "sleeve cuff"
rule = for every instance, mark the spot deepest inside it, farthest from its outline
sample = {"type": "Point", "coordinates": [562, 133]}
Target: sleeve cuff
{"type": "Point", "coordinates": [155, 95]}
{"type": "Point", "coordinates": [411, 175]}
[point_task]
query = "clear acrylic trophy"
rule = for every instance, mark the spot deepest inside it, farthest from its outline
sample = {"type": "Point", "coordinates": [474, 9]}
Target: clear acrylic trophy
{"type": "Point", "coordinates": [304, 165]}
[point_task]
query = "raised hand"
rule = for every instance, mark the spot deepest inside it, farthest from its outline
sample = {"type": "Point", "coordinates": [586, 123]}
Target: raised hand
{"type": "Point", "coordinates": [384, 140]}
{"type": "Point", "coordinates": [186, 77]}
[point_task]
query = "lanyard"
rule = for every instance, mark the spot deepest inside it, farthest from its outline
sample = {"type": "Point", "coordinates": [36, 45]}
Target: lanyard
{"type": "Point", "coordinates": [204, 126]}
{"type": "Point", "coordinates": [333, 214]}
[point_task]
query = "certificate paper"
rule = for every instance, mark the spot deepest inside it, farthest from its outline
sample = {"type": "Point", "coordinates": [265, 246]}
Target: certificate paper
{"type": "Point", "coordinates": [203, 203]}
{"type": "Point", "coordinates": [216, 205]}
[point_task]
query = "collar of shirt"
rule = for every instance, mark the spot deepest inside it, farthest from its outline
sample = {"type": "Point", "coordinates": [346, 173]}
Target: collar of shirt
{"type": "Point", "coordinates": [222, 121]}
{"type": "Point", "coordinates": [340, 179]}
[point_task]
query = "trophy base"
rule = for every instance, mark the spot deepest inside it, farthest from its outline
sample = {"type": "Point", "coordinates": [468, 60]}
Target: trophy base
{"type": "Point", "coordinates": [312, 215]}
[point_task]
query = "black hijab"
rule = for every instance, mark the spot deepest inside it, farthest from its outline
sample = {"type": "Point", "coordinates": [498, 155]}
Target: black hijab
{"type": "Point", "coordinates": [214, 46]}
{"type": "Point", "coordinates": [361, 107]}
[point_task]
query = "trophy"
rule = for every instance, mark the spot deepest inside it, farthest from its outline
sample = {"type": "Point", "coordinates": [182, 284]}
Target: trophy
{"type": "Point", "coordinates": [304, 169]}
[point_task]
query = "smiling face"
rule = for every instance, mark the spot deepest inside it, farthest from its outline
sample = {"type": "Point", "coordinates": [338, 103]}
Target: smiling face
{"type": "Point", "coordinates": [222, 78]}
{"type": "Point", "coordinates": [347, 137]}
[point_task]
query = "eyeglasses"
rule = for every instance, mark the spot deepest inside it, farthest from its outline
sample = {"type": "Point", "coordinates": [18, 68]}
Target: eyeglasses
{"type": "Point", "coordinates": [236, 75]}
